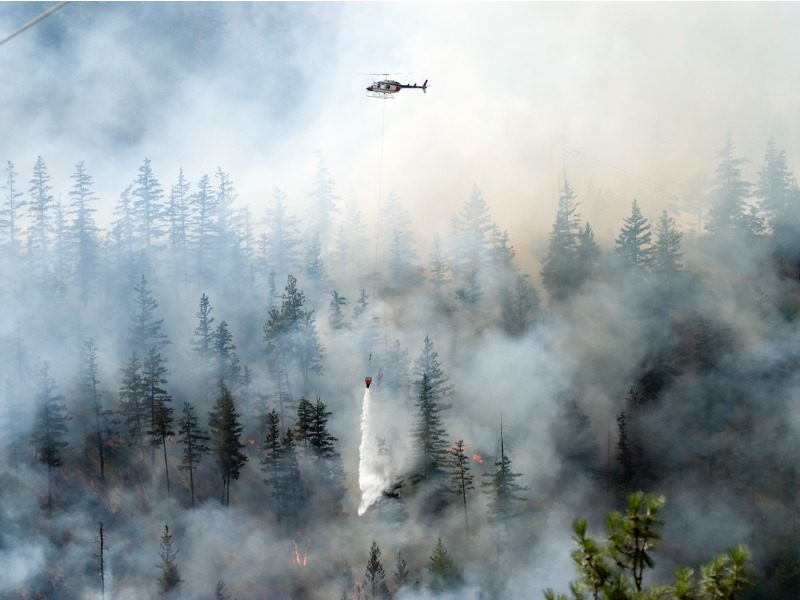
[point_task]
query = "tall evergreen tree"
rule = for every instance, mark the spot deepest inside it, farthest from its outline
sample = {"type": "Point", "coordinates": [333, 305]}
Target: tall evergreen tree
{"type": "Point", "coordinates": [588, 255]}
{"type": "Point", "coordinates": [519, 306]}
{"type": "Point", "coordinates": [776, 185]}
{"type": "Point", "coordinates": [430, 437]}
{"type": "Point", "coordinates": [428, 364]}
{"type": "Point", "coordinates": [397, 242]}
{"type": "Point", "coordinates": [281, 244]}
{"type": "Point", "coordinates": [503, 491]}
{"type": "Point", "coordinates": [132, 403]}
{"type": "Point", "coordinates": [194, 441]}
{"type": "Point", "coordinates": [179, 216]}
{"type": "Point", "coordinates": [633, 245]}
{"type": "Point", "coordinates": [41, 208]}
{"type": "Point", "coordinates": [93, 397]}
{"type": "Point", "coordinates": [444, 572]}
{"type": "Point", "coordinates": [400, 577]}
{"type": "Point", "coordinates": [559, 266]}
{"type": "Point", "coordinates": [84, 231]}
{"type": "Point", "coordinates": [375, 575]}
{"type": "Point", "coordinates": [729, 194]}
{"type": "Point", "coordinates": [437, 267]}
{"type": "Point", "coordinates": [226, 432]}
{"type": "Point", "coordinates": [203, 332]}
{"type": "Point", "coordinates": [473, 229]}
{"type": "Point", "coordinates": [323, 204]}
{"type": "Point", "coordinates": [336, 314]}
{"type": "Point", "coordinates": [170, 580]}
{"type": "Point", "coordinates": [50, 428]}
{"type": "Point", "coordinates": [145, 328]}
{"type": "Point", "coordinates": [204, 205]}
{"type": "Point", "coordinates": [227, 362]}
{"type": "Point", "coordinates": [461, 478]}
{"type": "Point", "coordinates": [157, 401]}
{"type": "Point", "coordinates": [147, 208]}
{"type": "Point", "coordinates": [11, 211]}
{"type": "Point", "coordinates": [667, 256]}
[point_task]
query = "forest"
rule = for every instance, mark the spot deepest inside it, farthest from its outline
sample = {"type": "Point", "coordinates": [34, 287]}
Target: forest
{"type": "Point", "coordinates": [181, 395]}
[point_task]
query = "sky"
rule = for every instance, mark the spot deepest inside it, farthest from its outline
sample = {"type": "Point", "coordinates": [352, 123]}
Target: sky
{"type": "Point", "coordinates": [633, 99]}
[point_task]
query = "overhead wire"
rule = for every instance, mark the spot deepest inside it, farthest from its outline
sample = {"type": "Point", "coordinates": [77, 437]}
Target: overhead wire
{"type": "Point", "coordinates": [34, 21]}
{"type": "Point", "coordinates": [380, 195]}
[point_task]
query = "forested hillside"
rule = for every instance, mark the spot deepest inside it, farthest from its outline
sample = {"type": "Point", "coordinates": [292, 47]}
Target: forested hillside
{"type": "Point", "coordinates": [182, 388]}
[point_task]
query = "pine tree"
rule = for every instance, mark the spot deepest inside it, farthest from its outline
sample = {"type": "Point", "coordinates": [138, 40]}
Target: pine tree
{"type": "Point", "coordinates": [445, 574]}
{"type": "Point", "coordinates": [84, 231]}
{"type": "Point", "coordinates": [400, 576]}
{"type": "Point", "coordinates": [667, 256]}
{"type": "Point", "coordinates": [519, 306]}
{"type": "Point", "coordinates": [503, 492]}
{"type": "Point", "coordinates": [170, 579]}
{"type": "Point", "coordinates": [145, 328]}
{"type": "Point", "coordinates": [361, 305]}
{"type": "Point", "coordinates": [396, 373]}
{"type": "Point", "coordinates": [133, 406]}
{"type": "Point", "coordinates": [271, 456]}
{"type": "Point", "coordinates": [179, 216]}
{"type": "Point", "coordinates": [40, 208]}
{"type": "Point", "coordinates": [227, 362]}
{"type": "Point", "coordinates": [588, 255]}
{"type": "Point", "coordinates": [281, 244]}
{"type": "Point", "coordinates": [461, 479]}
{"type": "Point", "coordinates": [61, 242]}
{"type": "Point", "coordinates": [50, 428]}
{"type": "Point", "coordinates": [147, 208]}
{"type": "Point", "coordinates": [473, 229]}
{"type": "Point", "coordinates": [157, 401]}
{"type": "Point", "coordinates": [204, 205]}
{"type": "Point", "coordinates": [11, 211]}
{"type": "Point", "coordinates": [123, 233]}
{"type": "Point", "coordinates": [375, 575]}
{"type": "Point", "coordinates": [428, 364]}
{"type": "Point", "coordinates": [93, 396]}
{"type": "Point", "coordinates": [291, 489]}
{"type": "Point", "coordinates": [776, 185]}
{"type": "Point", "coordinates": [625, 457]}
{"type": "Point", "coordinates": [202, 333]}
{"type": "Point", "coordinates": [336, 314]}
{"type": "Point", "coordinates": [633, 245]}
{"type": "Point", "coordinates": [729, 194]}
{"type": "Point", "coordinates": [323, 204]}
{"type": "Point", "coordinates": [430, 437]}
{"type": "Point", "coordinates": [437, 266]}
{"type": "Point", "coordinates": [319, 439]}
{"type": "Point", "coordinates": [226, 431]}
{"type": "Point", "coordinates": [303, 425]}
{"type": "Point", "coordinates": [194, 441]}
{"type": "Point", "coordinates": [559, 271]}
{"type": "Point", "coordinates": [398, 251]}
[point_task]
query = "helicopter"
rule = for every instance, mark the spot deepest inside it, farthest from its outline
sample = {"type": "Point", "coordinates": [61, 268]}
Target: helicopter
{"type": "Point", "coordinates": [382, 89]}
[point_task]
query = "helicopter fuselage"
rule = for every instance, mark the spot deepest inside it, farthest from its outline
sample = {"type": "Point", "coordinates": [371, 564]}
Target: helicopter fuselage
{"type": "Point", "coordinates": [388, 86]}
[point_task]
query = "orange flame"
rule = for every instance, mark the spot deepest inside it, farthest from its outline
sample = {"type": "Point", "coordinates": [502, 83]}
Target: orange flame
{"type": "Point", "coordinates": [300, 561]}
{"type": "Point", "coordinates": [477, 458]}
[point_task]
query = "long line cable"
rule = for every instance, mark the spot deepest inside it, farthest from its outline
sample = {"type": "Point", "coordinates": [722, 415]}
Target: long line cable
{"type": "Point", "coordinates": [34, 21]}
{"type": "Point", "coordinates": [380, 195]}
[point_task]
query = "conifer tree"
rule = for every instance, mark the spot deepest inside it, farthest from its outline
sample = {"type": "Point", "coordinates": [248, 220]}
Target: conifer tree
{"type": "Point", "coordinates": [397, 369]}
{"type": "Point", "coordinates": [444, 572]}
{"type": "Point", "coordinates": [461, 479]}
{"type": "Point", "coordinates": [202, 333]}
{"type": "Point", "coordinates": [157, 401]}
{"type": "Point", "coordinates": [502, 490]}
{"type": "Point", "coordinates": [361, 305]}
{"type": "Point", "coordinates": [145, 328]}
{"type": "Point", "coordinates": [400, 577]}
{"type": "Point", "coordinates": [473, 229]}
{"type": "Point", "coordinates": [519, 306]}
{"type": "Point", "coordinates": [204, 205]}
{"type": "Point", "coordinates": [323, 204]}
{"type": "Point", "coordinates": [281, 243]}
{"type": "Point", "coordinates": [588, 255]}
{"type": "Point", "coordinates": [11, 211]}
{"type": "Point", "coordinates": [170, 580]}
{"type": "Point", "coordinates": [729, 194]}
{"type": "Point", "coordinates": [375, 575]}
{"type": "Point", "coordinates": [132, 403]}
{"type": "Point", "coordinates": [221, 591]}
{"type": "Point", "coordinates": [147, 207]}
{"type": "Point", "coordinates": [633, 245]}
{"type": "Point", "coordinates": [436, 264]}
{"type": "Point", "coordinates": [667, 256]}
{"type": "Point", "coordinates": [336, 314]}
{"type": "Point", "coordinates": [179, 215]}
{"type": "Point", "coordinates": [40, 207]}
{"type": "Point", "coordinates": [305, 411]}
{"type": "Point", "coordinates": [50, 427]}
{"type": "Point", "coordinates": [227, 362]}
{"type": "Point", "coordinates": [84, 231]}
{"type": "Point", "coordinates": [398, 251]}
{"type": "Point", "coordinates": [271, 455]}
{"type": "Point", "coordinates": [559, 267]}
{"type": "Point", "coordinates": [92, 394]}
{"type": "Point", "coordinates": [775, 187]}
{"type": "Point", "coordinates": [428, 364]}
{"type": "Point", "coordinates": [430, 437]}
{"type": "Point", "coordinates": [194, 441]}
{"type": "Point", "coordinates": [226, 431]}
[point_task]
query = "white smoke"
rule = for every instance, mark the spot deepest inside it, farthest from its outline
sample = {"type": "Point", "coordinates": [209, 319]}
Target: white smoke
{"type": "Point", "coordinates": [373, 465]}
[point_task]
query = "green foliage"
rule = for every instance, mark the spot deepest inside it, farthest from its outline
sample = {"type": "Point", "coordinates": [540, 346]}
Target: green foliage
{"type": "Point", "coordinates": [633, 244]}
{"type": "Point", "coordinates": [375, 575]}
{"type": "Point", "coordinates": [444, 572]}
{"type": "Point", "coordinates": [226, 432]}
{"type": "Point", "coordinates": [615, 569]}
{"type": "Point", "coordinates": [170, 579]}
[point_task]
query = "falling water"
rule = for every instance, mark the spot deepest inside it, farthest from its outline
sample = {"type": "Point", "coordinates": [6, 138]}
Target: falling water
{"type": "Point", "coordinates": [373, 476]}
